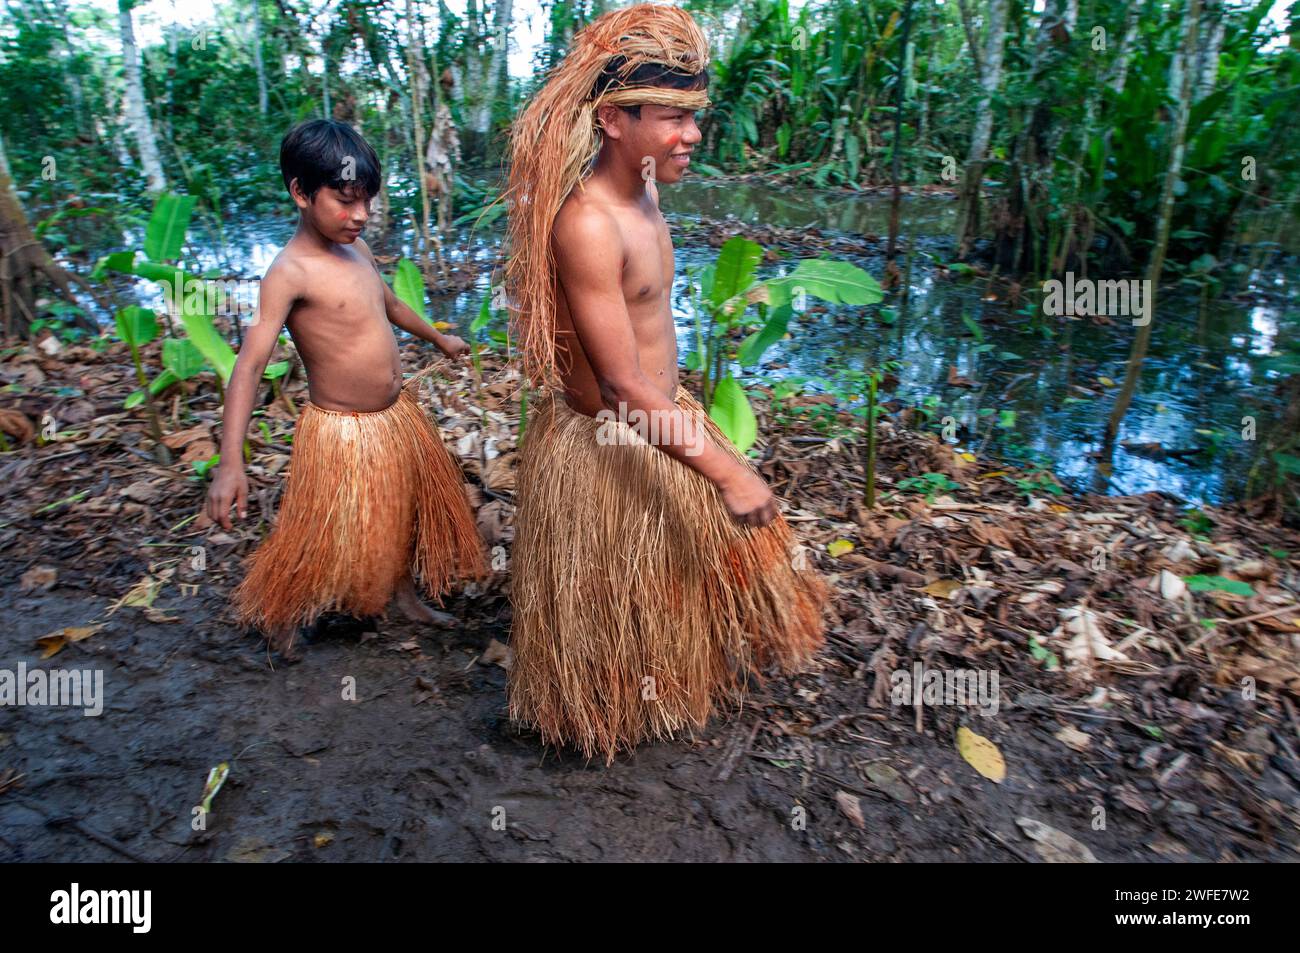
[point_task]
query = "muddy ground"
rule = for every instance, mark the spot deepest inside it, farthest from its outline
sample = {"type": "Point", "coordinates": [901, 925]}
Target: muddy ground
{"type": "Point", "coordinates": [423, 761]}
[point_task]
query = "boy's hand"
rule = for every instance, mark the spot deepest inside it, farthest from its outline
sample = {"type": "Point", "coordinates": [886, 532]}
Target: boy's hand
{"type": "Point", "coordinates": [229, 487]}
{"type": "Point", "coordinates": [453, 346]}
{"type": "Point", "coordinates": [749, 500]}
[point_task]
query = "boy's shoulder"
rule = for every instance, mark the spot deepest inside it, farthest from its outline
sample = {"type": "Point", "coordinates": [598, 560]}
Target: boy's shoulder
{"type": "Point", "coordinates": [289, 265]}
{"type": "Point", "coordinates": [586, 221]}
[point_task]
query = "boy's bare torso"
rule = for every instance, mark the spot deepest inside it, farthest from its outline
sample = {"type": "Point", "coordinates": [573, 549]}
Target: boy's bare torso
{"type": "Point", "coordinates": [340, 328]}
{"type": "Point", "coordinates": [647, 282]}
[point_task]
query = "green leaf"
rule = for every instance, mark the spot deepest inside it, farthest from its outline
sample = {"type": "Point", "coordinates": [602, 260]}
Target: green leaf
{"type": "Point", "coordinates": [165, 232]}
{"type": "Point", "coordinates": [182, 358]}
{"type": "Point", "coordinates": [134, 399]}
{"type": "Point", "coordinates": [162, 382]}
{"type": "Point", "coordinates": [408, 285]}
{"type": "Point", "coordinates": [188, 299]}
{"type": "Point", "coordinates": [136, 325]}
{"type": "Point", "coordinates": [484, 315]}
{"type": "Point", "coordinates": [1218, 584]}
{"type": "Point", "coordinates": [732, 413]}
{"type": "Point", "coordinates": [201, 467]}
{"type": "Point", "coordinates": [753, 347]}
{"type": "Point", "coordinates": [835, 281]}
{"type": "Point", "coordinates": [694, 361]}
{"type": "Point", "coordinates": [734, 271]}
{"type": "Point", "coordinates": [122, 262]}
{"type": "Point", "coordinates": [1286, 463]}
{"type": "Point", "coordinates": [276, 370]}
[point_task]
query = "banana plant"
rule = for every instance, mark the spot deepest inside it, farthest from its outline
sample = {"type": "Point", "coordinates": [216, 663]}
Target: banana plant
{"type": "Point", "coordinates": [137, 326]}
{"type": "Point", "coordinates": [188, 297]}
{"type": "Point", "coordinates": [726, 290]}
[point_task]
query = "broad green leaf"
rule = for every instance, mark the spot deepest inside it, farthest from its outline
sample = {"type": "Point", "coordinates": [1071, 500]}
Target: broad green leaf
{"type": "Point", "coordinates": [165, 232]}
{"type": "Point", "coordinates": [732, 413]}
{"type": "Point", "coordinates": [408, 285]}
{"type": "Point", "coordinates": [136, 325]}
{"type": "Point", "coordinates": [181, 357]}
{"type": "Point", "coordinates": [188, 298]}
{"type": "Point", "coordinates": [755, 346]}
{"type": "Point", "coordinates": [276, 370]}
{"type": "Point", "coordinates": [734, 270]}
{"type": "Point", "coordinates": [134, 399]}
{"type": "Point", "coordinates": [835, 281]}
{"type": "Point", "coordinates": [122, 262]}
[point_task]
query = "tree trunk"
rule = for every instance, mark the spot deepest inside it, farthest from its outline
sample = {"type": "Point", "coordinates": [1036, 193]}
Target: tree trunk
{"type": "Point", "coordinates": [137, 115]}
{"type": "Point", "coordinates": [503, 13]}
{"type": "Point", "coordinates": [1179, 147]}
{"type": "Point", "coordinates": [991, 77]}
{"type": "Point", "coordinates": [1207, 58]}
{"type": "Point", "coordinates": [900, 99]}
{"type": "Point", "coordinates": [257, 57]}
{"type": "Point", "coordinates": [23, 261]}
{"type": "Point", "coordinates": [84, 127]}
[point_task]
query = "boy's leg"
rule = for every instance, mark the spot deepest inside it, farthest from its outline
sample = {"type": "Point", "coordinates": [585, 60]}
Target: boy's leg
{"type": "Point", "coordinates": [408, 601]}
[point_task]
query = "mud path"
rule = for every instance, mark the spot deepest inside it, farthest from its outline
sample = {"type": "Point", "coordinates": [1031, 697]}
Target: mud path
{"type": "Point", "coordinates": [424, 761]}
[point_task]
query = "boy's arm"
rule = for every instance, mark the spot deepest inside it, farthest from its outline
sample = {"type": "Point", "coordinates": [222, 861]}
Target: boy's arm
{"type": "Point", "coordinates": [589, 263]}
{"type": "Point", "coordinates": [400, 314]}
{"type": "Point", "coordinates": [278, 291]}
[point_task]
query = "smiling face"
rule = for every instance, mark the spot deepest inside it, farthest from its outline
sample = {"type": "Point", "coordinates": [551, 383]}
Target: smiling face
{"type": "Point", "coordinates": [664, 135]}
{"type": "Point", "coordinates": [339, 215]}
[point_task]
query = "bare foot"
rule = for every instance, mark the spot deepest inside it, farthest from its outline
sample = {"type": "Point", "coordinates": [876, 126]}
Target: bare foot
{"type": "Point", "coordinates": [408, 601]}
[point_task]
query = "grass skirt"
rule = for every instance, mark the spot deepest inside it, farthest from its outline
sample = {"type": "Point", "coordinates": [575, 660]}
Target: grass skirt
{"type": "Point", "coordinates": [371, 497]}
{"type": "Point", "coordinates": [639, 603]}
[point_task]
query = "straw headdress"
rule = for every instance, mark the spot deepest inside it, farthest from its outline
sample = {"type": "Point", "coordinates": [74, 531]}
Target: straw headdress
{"type": "Point", "coordinates": [555, 139]}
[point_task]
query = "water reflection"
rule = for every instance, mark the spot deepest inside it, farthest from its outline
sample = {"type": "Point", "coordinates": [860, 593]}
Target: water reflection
{"type": "Point", "coordinates": [1203, 373]}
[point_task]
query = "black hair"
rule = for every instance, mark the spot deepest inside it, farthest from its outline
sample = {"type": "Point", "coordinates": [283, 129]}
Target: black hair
{"type": "Point", "coordinates": [326, 152]}
{"type": "Point", "coordinates": [647, 74]}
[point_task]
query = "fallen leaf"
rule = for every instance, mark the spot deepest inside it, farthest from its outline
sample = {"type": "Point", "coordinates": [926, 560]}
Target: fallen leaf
{"type": "Point", "coordinates": [17, 425]}
{"type": "Point", "coordinates": [1087, 641]}
{"type": "Point", "coordinates": [38, 578]}
{"type": "Point", "coordinates": [216, 778]}
{"type": "Point", "coordinates": [839, 547]}
{"type": "Point", "coordinates": [1055, 847]}
{"type": "Point", "coordinates": [851, 807]}
{"type": "Point", "coordinates": [943, 588]}
{"type": "Point", "coordinates": [497, 653]}
{"type": "Point", "coordinates": [53, 643]}
{"type": "Point", "coordinates": [143, 593]}
{"type": "Point", "coordinates": [981, 754]}
{"type": "Point", "coordinates": [1074, 738]}
{"type": "Point", "coordinates": [1168, 584]}
{"type": "Point", "coordinates": [891, 782]}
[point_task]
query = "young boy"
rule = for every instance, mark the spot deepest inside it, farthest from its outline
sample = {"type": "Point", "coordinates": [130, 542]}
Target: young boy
{"type": "Point", "coordinates": [650, 578]}
{"type": "Point", "coordinates": [374, 500]}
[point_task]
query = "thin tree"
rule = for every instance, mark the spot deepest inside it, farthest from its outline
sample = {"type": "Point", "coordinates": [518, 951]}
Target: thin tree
{"type": "Point", "coordinates": [137, 115]}
{"type": "Point", "coordinates": [1156, 265]}
{"type": "Point", "coordinates": [990, 76]}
